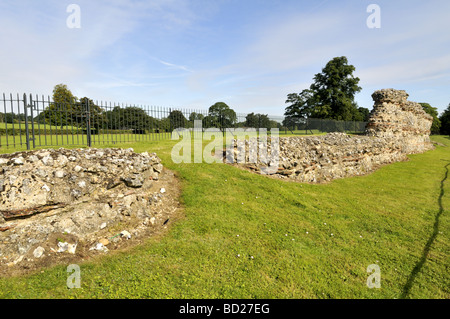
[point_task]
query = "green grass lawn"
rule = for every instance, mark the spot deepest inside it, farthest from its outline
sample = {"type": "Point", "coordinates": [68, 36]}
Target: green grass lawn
{"type": "Point", "coordinates": [250, 236]}
{"type": "Point", "coordinates": [18, 143]}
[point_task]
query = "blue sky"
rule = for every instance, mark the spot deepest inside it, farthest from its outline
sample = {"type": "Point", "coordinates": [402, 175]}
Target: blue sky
{"type": "Point", "coordinates": [247, 53]}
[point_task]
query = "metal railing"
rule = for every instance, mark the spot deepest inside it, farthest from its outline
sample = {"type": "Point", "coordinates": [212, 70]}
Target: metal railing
{"type": "Point", "coordinates": [29, 121]}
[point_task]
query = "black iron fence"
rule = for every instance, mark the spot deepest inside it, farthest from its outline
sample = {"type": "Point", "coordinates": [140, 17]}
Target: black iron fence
{"type": "Point", "coordinates": [28, 121]}
{"type": "Point", "coordinates": [317, 126]}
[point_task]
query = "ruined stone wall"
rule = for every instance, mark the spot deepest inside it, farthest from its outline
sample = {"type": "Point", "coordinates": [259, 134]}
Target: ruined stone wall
{"type": "Point", "coordinates": [397, 127]}
{"type": "Point", "coordinates": [65, 200]}
{"type": "Point", "coordinates": [323, 158]}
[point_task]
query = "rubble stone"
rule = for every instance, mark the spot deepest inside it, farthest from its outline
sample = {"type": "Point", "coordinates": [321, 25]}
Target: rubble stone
{"type": "Point", "coordinates": [68, 191]}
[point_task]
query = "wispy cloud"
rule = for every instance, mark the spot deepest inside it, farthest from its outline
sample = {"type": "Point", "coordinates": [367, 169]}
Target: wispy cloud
{"type": "Point", "coordinates": [174, 66]}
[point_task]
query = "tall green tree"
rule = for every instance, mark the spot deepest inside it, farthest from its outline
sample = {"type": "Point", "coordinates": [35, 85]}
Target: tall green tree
{"type": "Point", "coordinates": [334, 89]}
{"type": "Point", "coordinates": [436, 126]}
{"type": "Point", "coordinates": [177, 120]}
{"type": "Point", "coordinates": [62, 95]}
{"type": "Point", "coordinates": [299, 109]}
{"type": "Point", "coordinates": [222, 115]}
{"type": "Point", "coordinates": [445, 121]}
{"type": "Point", "coordinates": [59, 112]}
{"type": "Point", "coordinates": [331, 95]}
{"type": "Point", "coordinates": [210, 121]}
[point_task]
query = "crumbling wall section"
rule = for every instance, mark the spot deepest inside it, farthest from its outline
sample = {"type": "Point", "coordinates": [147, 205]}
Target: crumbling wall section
{"type": "Point", "coordinates": [393, 116]}
{"type": "Point", "coordinates": [397, 127]}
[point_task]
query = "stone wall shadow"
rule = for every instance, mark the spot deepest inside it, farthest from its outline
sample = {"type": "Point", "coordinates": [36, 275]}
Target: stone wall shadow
{"type": "Point", "coordinates": [426, 250]}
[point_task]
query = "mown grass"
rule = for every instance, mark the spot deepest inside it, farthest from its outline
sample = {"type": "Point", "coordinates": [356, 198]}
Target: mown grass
{"type": "Point", "coordinates": [250, 236]}
{"type": "Point", "coordinates": [19, 143]}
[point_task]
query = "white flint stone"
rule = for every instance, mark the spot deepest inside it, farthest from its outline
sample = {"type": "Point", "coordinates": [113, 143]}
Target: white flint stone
{"type": "Point", "coordinates": [47, 160]}
{"type": "Point", "coordinates": [60, 174]}
{"type": "Point", "coordinates": [38, 252]}
{"type": "Point", "coordinates": [125, 234]}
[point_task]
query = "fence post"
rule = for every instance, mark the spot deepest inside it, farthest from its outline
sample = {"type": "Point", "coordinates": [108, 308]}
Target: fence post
{"type": "Point", "coordinates": [88, 123]}
{"type": "Point", "coordinates": [32, 106]}
{"type": "Point", "coordinates": [27, 132]}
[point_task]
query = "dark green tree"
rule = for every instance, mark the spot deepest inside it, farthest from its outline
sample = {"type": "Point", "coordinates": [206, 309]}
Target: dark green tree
{"type": "Point", "coordinates": [258, 121]}
{"type": "Point", "coordinates": [436, 126]}
{"type": "Point", "coordinates": [445, 121]}
{"type": "Point", "coordinates": [8, 117]}
{"type": "Point", "coordinates": [210, 121]}
{"type": "Point", "coordinates": [362, 114]}
{"type": "Point", "coordinates": [275, 124]}
{"type": "Point", "coordinates": [222, 115]}
{"type": "Point", "coordinates": [177, 120]}
{"type": "Point", "coordinates": [164, 125]}
{"type": "Point", "coordinates": [130, 117]}
{"type": "Point", "coordinates": [196, 116]}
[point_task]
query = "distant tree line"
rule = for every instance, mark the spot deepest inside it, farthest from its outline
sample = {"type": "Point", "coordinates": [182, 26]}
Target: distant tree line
{"type": "Point", "coordinates": [12, 117]}
{"type": "Point", "coordinates": [66, 110]}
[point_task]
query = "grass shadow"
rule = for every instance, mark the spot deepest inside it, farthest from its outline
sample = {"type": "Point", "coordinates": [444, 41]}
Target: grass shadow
{"type": "Point", "coordinates": [426, 250]}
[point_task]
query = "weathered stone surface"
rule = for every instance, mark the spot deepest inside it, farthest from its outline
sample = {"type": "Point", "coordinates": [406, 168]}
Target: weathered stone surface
{"type": "Point", "coordinates": [27, 183]}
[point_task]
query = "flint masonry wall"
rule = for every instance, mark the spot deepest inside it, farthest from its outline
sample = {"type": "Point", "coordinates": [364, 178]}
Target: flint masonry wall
{"type": "Point", "coordinates": [397, 127]}
{"type": "Point", "coordinates": [34, 179]}
{"type": "Point", "coordinates": [81, 192]}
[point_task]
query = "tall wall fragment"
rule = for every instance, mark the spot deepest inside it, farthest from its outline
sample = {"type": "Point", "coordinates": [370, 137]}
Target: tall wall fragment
{"type": "Point", "coordinates": [393, 116]}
